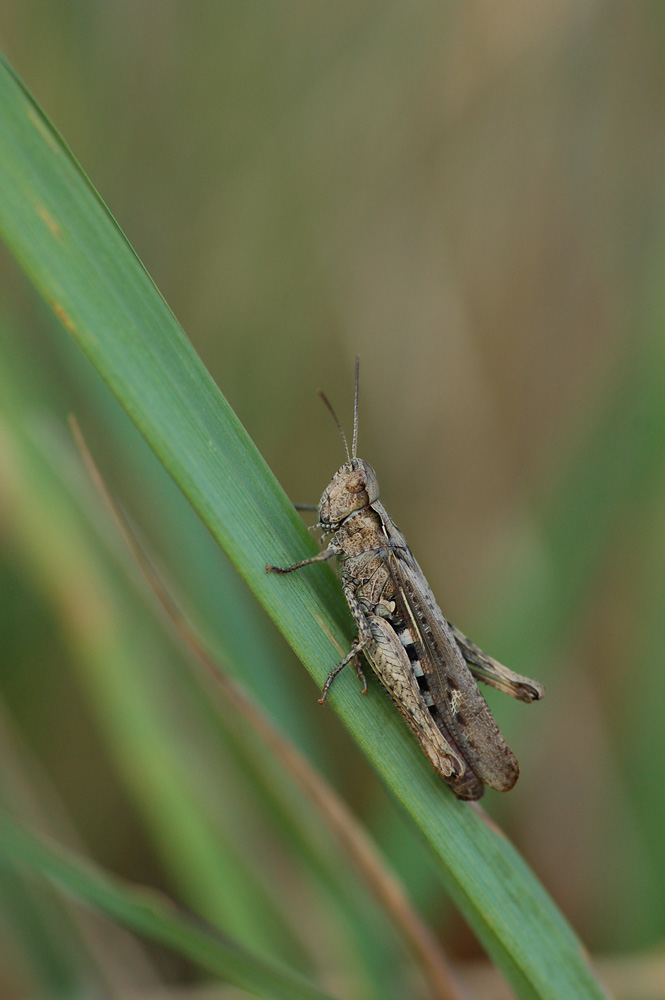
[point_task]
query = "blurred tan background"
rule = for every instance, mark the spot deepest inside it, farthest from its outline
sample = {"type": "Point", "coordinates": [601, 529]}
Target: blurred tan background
{"type": "Point", "coordinates": [470, 197]}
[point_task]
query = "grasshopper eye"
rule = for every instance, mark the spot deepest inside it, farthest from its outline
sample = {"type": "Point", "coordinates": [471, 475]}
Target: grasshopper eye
{"type": "Point", "coordinates": [355, 484]}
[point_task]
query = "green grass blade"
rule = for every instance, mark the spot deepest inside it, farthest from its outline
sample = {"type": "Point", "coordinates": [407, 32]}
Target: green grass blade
{"type": "Point", "coordinates": [39, 929]}
{"type": "Point", "coordinates": [113, 644]}
{"type": "Point", "coordinates": [71, 249]}
{"type": "Point", "coordinates": [148, 705]}
{"type": "Point", "coordinates": [147, 913]}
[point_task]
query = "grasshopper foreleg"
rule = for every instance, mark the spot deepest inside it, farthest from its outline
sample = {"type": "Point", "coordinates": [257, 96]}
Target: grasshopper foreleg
{"type": "Point", "coordinates": [328, 553]}
{"type": "Point", "coordinates": [359, 643]}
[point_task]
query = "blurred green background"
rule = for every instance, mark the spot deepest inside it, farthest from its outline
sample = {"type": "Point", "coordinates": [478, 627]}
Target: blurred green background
{"type": "Point", "coordinates": [470, 197]}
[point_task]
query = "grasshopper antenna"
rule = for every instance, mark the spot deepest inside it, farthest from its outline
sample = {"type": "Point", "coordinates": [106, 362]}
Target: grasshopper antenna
{"type": "Point", "coordinates": [336, 419]}
{"type": "Point", "coordinates": [354, 449]}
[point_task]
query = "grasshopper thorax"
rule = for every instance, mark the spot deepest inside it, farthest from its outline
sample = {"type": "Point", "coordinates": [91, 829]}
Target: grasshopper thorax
{"type": "Point", "coordinates": [353, 487]}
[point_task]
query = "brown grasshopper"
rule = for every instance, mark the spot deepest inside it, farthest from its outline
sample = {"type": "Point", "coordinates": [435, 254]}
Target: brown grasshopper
{"type": "Point", "coordinates": [426, 664]}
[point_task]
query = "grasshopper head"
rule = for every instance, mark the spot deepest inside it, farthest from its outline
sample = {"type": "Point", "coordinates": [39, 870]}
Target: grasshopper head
{"type": "Point", "coordinates": [353, 487]}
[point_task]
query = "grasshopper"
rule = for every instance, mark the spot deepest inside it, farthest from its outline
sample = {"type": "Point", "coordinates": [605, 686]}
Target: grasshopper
{"type": "Point", "coordinates": [427, 665]}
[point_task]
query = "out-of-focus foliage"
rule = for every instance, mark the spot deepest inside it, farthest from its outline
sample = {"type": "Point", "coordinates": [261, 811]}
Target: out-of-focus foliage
{"type": "Point", "coordinates": [470, 197]}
